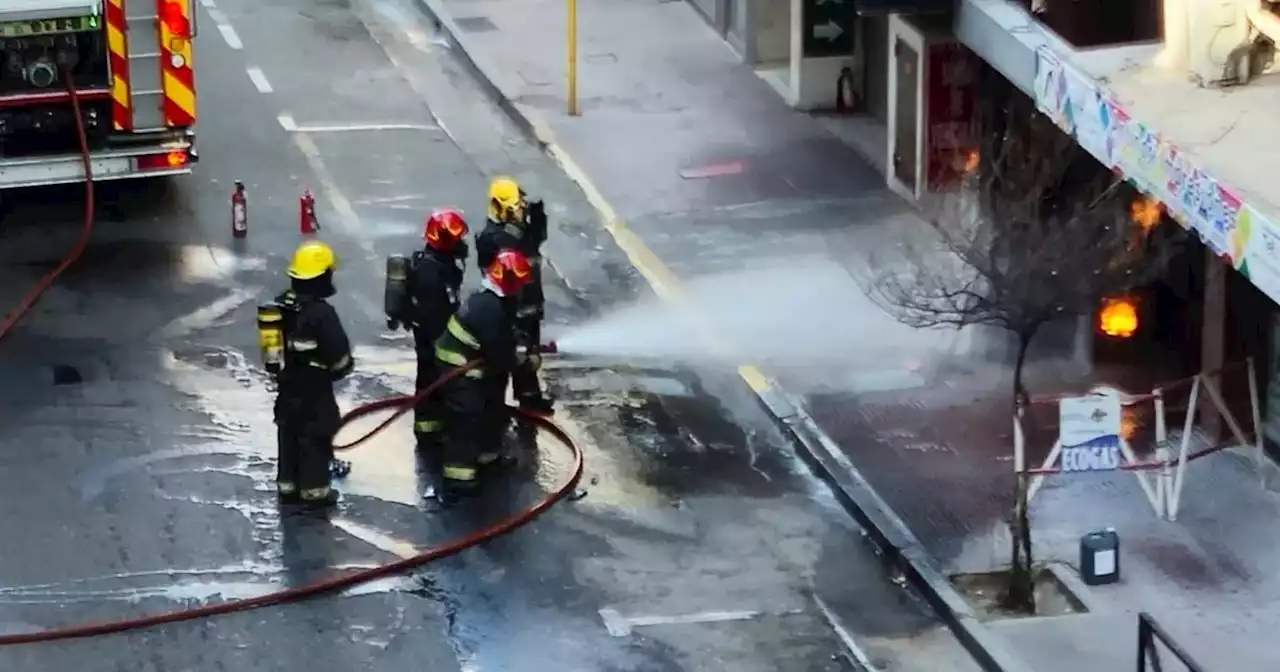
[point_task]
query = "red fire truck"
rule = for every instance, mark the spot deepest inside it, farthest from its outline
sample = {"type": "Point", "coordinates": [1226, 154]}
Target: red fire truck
{"type": "Point", "coordinates": [129, 63]}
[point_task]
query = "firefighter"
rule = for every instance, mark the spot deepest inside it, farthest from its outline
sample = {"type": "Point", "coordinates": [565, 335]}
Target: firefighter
{"type": "Point", "coordinates": [519, 223]}
{"type": "Point", "coordinates": [317, 353]}
{"type": "Point", "coordinates": [431, 298]}
{"type": "Point", "coordinates": [475, 416]}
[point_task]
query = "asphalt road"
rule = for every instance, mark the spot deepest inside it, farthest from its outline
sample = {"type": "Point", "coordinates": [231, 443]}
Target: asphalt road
{"type": "Point", "coordinates": [136, 444]}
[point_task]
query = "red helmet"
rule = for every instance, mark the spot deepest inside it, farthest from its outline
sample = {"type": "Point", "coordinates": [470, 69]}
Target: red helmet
{"type": "Point", "coordinates": [444, 230]}
{"type": "Point", "coordinates": [509, 271]}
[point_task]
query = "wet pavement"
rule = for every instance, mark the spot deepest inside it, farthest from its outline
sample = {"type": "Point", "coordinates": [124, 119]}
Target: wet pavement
{"type": "Point", "coordinates": [721, 175]}
{"type": "Point", "coordinates": [136, 444]}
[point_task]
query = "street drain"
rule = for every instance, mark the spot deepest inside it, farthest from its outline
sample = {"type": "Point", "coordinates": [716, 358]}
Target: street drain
{"type": "Point", "coordinates": [66, 375]}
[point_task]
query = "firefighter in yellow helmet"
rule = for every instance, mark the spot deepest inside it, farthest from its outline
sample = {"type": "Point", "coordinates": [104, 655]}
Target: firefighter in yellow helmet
{"type": "Point", "coordinates": [317, 353]}
{"type": "Point", "coordinates": [517, 223]}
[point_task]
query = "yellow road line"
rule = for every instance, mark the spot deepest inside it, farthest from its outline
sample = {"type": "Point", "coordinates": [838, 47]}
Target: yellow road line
{"type": "Point", "coordinates": [664, 282]}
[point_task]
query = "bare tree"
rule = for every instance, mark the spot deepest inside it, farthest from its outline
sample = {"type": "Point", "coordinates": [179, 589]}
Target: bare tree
{"type": "Point", "coordinates": [1036, 233]}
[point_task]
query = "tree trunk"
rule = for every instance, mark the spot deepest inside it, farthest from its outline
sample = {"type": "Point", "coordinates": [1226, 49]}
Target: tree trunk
{"type": "Point", "coordinates": [1020, 397]}
{"type": "Point", "coordinates": [1020, 594]}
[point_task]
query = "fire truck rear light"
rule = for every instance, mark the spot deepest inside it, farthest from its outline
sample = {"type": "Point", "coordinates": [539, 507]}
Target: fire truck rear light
{"type": "Point", "coordinates": [162, 161]}
{"type": "Point", "coordinates": [175, 20]}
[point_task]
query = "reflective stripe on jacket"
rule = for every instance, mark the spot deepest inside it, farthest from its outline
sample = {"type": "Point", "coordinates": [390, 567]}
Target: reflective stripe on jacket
{"type": "Point", "coordinates": [456, 346]}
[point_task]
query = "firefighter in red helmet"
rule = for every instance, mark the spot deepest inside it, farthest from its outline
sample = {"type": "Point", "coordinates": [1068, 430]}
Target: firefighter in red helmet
{"type": "Point", "coordinates": [475, 415]}
{"type": "Point", "coordinates": [430, 297]}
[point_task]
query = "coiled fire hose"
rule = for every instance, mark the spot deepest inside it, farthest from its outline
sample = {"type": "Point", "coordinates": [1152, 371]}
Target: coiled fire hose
{"type": "Point", "coordinates": [403, 403]}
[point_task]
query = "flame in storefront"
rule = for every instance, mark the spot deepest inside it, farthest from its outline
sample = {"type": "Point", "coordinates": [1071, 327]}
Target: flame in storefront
{"type": "Point", "coordinates": [1118, 317]}
{"type": "Point", "coordinates": [1145, 211]}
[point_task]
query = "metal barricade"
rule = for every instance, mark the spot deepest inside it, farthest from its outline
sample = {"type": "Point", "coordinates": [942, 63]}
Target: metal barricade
{"type": "Point", "coordinates": [1149, 633]}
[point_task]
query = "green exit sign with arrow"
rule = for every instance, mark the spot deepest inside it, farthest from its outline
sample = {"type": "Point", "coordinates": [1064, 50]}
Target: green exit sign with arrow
{"type": "Point", "coordinates": [829, 28]}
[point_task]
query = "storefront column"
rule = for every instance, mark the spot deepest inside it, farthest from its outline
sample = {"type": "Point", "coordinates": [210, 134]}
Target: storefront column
{"type": "Point", "coordinates": [1212, 334]}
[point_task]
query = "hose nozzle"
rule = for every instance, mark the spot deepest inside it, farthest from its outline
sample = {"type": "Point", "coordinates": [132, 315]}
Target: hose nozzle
{"type": "Point", "coordinates": [548, 348]}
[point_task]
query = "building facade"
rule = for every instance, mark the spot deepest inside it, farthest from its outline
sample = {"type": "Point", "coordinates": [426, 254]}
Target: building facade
{"type": "Point", "coordinates": [1176, 97]}
{"type": "Point", "coordinates": [1173, 95]}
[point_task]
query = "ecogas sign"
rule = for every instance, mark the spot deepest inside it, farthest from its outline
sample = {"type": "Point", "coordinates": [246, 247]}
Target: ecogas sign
{"type": "Point", "coordinates": [1091, 458]}
{"type": "Point", "coordinates": [1089, 432]}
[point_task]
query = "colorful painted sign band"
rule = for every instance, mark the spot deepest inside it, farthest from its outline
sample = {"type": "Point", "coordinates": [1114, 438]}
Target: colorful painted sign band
{"type": "Point", "coordinates": [1083, 109]}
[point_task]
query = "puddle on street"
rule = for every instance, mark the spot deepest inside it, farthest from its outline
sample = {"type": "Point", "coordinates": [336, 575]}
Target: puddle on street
{"type": "Point", "coordinates": [187, 586]}
{"type": "Point", "coordinates": [383, 467]}
{"type": "Point", "coordinates": [142, 258]}
{"type": "Point", "coordinates": [227, 387]}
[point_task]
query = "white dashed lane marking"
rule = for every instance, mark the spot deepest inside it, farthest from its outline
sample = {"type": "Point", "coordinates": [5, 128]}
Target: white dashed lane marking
{"type": "Point", "coordinates": [229, 34]}
{"type": "Point", "coordinates": [288, 123]}
{"type": "Point", "coordinates": [224, 26]}
{"type": "Point", "coordinates": [259, 79]}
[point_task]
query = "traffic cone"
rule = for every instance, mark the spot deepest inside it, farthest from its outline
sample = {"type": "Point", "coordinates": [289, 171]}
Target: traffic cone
{"type": "Point", "coordinates": [239, 211]}
{"type": "Point", "coordinates": [307, 222]}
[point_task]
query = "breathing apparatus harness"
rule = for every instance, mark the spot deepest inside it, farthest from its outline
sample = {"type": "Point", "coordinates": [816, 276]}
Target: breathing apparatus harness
{"type": "Point", "coordinates": [272, 337]}
{"type": "Point", "coordinates": [399, 278]}
{"type": "Point", "coordinates": [395, 295]}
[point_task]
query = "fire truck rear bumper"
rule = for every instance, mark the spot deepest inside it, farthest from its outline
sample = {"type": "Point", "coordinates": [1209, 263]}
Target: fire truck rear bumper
{"type": "Point", "coordinates": [120, 164]}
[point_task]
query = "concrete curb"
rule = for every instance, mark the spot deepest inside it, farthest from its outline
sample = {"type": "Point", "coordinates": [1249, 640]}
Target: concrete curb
{"type": "Point", "coordinates": [902, 549]}
{"type": "Point", "coordinates": [888, 531]}
{"type": "Point", "coordinates": [487, 75]}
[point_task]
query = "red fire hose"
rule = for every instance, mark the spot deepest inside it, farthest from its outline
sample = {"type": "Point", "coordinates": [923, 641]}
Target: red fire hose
{"type": "Point", "coordinates": [86, 230]}
{"type": "Point", "coordinates": [403, 404]}
{"type": "Point", "coordinates": [337, 583]}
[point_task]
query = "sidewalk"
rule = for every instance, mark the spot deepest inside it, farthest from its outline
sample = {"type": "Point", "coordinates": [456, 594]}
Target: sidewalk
{"type": "Point", "coordinates": [706, 165]}
{"type": "Point", "coordinates": [1209, 577]}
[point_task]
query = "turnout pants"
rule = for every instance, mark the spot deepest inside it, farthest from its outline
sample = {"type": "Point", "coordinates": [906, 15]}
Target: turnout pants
{"type": "Point", "coordinates": [305, 425]}
{"type": "Point", "coordinates": [524, 379]}
{"type": "Point", "coordinates": [428, 415]}
{"type": "Point", "coordinates": [496, 420]}
{"type": "Point", "coordinates": [463, 402]}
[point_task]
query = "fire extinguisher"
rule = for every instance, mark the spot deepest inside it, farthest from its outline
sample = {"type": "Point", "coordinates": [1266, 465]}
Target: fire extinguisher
{"type": "Point", "coordinates": [239, 211]}
{"type": "Point", "coordinates": [307, 222]}
{"type": "Point", "coordinates": [846, 93]}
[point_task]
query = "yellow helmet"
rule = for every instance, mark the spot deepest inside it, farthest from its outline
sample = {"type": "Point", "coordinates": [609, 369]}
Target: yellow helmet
{"type": "Point", "coordinates": [506, 200]}
{"type": "Point", "coordinates": [312, 260]}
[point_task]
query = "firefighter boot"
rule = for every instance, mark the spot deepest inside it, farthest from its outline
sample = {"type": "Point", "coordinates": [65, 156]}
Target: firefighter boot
{"type": "Point", "coordinates": [452, 492]}
{"type": "Point", "coordinates": [458, 483]}
{"type": "Point", "coordinates": [429, 462]}
{"type": "Point", "coordinates": [318, 498]}
{"type": "Point", "coordinates": [287, 493]}
{"type": "Point", "coordinates": [494, 457]}
{"type": "Point", "coordinates": [538, 403]}
{"type": "Point", "coordinates": [495, 462]}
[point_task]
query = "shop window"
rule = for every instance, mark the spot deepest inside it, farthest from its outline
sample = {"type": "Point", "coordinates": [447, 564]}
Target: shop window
{"type": "Point", "coordinates": [1100, 23]}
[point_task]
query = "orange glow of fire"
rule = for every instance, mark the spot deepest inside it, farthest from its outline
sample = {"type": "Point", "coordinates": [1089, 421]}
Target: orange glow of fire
{"type": "Point", "coordinates": [1118, 317]}
{"type": "Point", "coordinates": [1145, 211]}
{"type": "Point", "coordinates": [971, 161]}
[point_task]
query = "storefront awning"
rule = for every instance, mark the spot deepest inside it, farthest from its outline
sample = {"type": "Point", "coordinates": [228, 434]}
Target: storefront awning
{"type": "Point", "coordinates": [997, 31]}
{"type": "Point", "coordinates": [1207, 189]}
